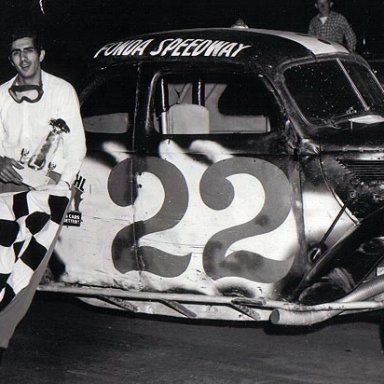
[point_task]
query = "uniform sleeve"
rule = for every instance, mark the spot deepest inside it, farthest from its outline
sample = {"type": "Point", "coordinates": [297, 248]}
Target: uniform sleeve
{"type": "Point", "coordinates": [74, 147]}
{"type": "Point", "coordinates": [2, 128]}
{"type": "Point", "coordinates": [2, 136]}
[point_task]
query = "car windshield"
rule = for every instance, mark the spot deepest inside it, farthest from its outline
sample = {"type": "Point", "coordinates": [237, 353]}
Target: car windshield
{"type": "Point", "coordinates": [327, 91]}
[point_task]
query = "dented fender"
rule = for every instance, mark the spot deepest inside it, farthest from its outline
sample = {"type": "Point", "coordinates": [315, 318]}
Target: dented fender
{"type": "Point", "coordinates": [357, 253]}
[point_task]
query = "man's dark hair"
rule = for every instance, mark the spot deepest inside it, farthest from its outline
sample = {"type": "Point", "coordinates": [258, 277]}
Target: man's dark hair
{"type": "Point", "coordinates": [26, 32]}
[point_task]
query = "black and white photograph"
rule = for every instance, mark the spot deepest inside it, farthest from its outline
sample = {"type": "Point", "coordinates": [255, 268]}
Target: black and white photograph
{"type": "Point", "coordinates": [191, 192]}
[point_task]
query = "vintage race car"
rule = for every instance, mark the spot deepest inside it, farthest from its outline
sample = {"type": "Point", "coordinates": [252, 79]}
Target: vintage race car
{"type": "Point", "coordinates": [232, 174]}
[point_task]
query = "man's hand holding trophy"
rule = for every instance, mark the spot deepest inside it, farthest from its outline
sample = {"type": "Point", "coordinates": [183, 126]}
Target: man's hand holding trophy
{"type": "Point", "coordinates": [36, 169]}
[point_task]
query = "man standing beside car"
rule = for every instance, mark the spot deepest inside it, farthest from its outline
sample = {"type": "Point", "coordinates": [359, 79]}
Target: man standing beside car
{"type": "Point", "coordinates": [42, 146]}
{"type": "Point", "coordinates": [331, 25]}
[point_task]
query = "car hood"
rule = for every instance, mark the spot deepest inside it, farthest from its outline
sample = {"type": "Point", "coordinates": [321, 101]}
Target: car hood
{"type": "Point", "coordinates": [352, 163]}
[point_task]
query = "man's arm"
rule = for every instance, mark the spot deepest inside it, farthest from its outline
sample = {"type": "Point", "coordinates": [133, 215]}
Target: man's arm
{"type": "Point", "coordinates": [74, 148]}
{"type": "Point", "coordinates": [349, 35]}
{"type": "Point", "coordinates": [8, 173]}
{"type": "Point", "coordinates": [311, 28]}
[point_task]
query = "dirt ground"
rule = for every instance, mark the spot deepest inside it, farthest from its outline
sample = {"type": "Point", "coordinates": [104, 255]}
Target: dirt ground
{"type": "Point", "coordinates": [64, 341]}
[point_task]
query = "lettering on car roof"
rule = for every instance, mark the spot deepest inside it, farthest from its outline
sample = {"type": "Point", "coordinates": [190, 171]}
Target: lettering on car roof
{"type": "Point", "coordinates": [173, 47]}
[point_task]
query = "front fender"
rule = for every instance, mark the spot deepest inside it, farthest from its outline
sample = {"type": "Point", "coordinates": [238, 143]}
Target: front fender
{"type": "Point", "coordinates": [356, 254]}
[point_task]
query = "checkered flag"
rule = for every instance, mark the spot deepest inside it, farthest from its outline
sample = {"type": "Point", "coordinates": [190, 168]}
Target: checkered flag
{"type": "Point", "coordinates": [29, 226]}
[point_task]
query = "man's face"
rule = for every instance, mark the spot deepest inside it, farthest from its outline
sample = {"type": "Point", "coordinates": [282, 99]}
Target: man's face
{"type": "Point", "coordinates": [324, 7]}
{"type": "Point", "coordinates": [26, 60]}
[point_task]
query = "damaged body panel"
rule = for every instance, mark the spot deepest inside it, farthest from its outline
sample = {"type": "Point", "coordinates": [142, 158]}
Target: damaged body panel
{"type": "Point", "coordinates": [231, 174]}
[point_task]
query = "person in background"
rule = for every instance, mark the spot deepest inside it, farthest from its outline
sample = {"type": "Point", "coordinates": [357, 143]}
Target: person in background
{"type": "Point", "coordinates": [331, 25]}
{"type": "Point", "coordinates": [42, 145]}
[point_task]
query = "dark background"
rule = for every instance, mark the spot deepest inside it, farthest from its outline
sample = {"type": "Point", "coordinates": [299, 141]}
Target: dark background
{"type": "Point", "coordinates": [73, 29]}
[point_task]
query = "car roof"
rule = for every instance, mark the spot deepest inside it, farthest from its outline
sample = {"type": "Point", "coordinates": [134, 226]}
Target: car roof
{"type": "Point", "coordinates": [268, 47]}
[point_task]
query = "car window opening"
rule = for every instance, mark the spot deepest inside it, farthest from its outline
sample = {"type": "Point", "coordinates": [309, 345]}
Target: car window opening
{"type": "Point", "coordinates": [215, 104]}
{"type": "Point", "coordinates": [109, 106]}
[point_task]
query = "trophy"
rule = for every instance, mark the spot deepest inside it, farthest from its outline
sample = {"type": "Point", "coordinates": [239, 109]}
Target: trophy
{"type": "Point", "coordinates": [35, 174]}
{"type": "Point", "coordinates": [48, 146]}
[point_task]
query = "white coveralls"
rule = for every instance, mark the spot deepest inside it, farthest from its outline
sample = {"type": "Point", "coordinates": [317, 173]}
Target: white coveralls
{"type": "Point", "coordinates": [30, 220]}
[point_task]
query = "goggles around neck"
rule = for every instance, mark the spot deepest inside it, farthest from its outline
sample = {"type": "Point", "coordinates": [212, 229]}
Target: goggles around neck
{"type": "Point", "coordinates": [28, 93]}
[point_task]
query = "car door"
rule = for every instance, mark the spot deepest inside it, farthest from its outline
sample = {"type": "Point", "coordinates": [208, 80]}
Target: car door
{"type": "Point", "coordinates": [104, 191]}
{"type": "Point", "coordinates": [218, 207]}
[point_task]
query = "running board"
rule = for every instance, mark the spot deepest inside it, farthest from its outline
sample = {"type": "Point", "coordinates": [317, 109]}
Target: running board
{"type": "Point", "coordinates": [177, 301]}
{"type": "Point", "coordinates": [179, 308]}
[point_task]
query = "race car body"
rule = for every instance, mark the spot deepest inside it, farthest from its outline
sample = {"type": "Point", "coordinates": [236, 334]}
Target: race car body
{"type": "Point", "coordinates": [231, 174]}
